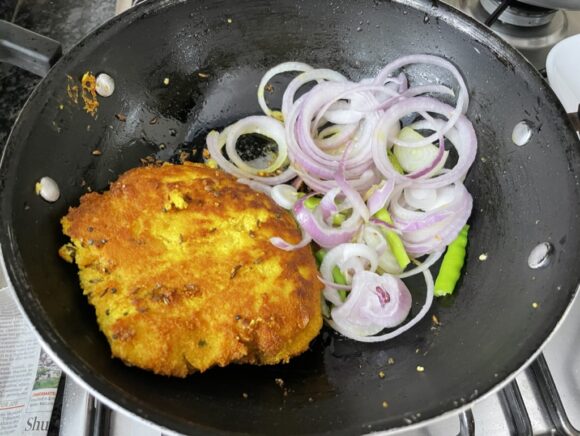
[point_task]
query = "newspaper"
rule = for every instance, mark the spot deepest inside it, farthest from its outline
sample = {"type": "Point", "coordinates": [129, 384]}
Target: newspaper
{"type": "Point", "coordinates": [28, 377]}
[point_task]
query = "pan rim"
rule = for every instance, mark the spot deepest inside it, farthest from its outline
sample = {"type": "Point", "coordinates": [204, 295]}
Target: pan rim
{"type": "Point", "coordinates": [12, 259]}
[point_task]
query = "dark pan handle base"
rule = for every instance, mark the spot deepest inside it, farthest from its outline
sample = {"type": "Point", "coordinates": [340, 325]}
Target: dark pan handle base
{"type": "Point", "coordinates": [28, 50]}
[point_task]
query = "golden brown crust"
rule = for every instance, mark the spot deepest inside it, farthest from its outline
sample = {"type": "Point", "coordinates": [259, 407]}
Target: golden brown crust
{"type": "Point", "coordinates": [177, 261]}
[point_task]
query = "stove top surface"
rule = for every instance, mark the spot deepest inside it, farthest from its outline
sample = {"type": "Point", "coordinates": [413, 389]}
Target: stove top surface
{"type": "Point", "coordinates": [533, 41]}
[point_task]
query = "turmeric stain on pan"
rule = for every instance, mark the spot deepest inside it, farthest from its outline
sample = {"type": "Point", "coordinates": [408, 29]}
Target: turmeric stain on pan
{"type": "Point", "coordinates": [89, 93]}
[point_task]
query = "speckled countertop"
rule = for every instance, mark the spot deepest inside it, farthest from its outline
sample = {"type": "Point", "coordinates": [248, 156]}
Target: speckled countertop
{"type": "Point", "coordinates": [64, 20]}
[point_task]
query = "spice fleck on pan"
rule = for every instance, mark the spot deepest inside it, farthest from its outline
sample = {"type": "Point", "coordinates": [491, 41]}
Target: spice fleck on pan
{"type": "Point", "coordinates": [72, 89]}
{"type": "Point", "coordinates": [89, 93]}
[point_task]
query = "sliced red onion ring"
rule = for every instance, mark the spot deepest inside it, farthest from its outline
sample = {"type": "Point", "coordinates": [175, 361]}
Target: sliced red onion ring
{"type": "Point", "coordinates": [353, 111]}
{"type": "Point", "coordinates": [331, 295]}
{"type": "Point", "coordinates": [355, 198]}
{"type": "Point", "coordinates": [415, 91]}
{"type": "Point", "coordinates": [426, 232]}
{"type": "Point", "coordinates": [328, 204]}
{"type": "Point", "coordinates": [339, 112]}
{"type": "Point", "coordinates": [286, 246]}
{"type": "Point", "coordinates": [362, 184]}
{"type": "Point", "coordinates": [297, 183]}
{"type": "Point", "coordinates": [333, 285]}
{"type": "Point", "coordinates": [445, 235]}
{"type": "Point", "coordinates": [404, 214]}
{"type": "Point", "coordinates": [372, 237]}
{"type": "Point", "coordinates": [307, 156]}
{"type": "Point", "coordinates": [374, 303]}
{"type": "Point", "coordinates": [215, 142]}
{"type": "Point", "coordinates": [301, 143]}
{"type": "Point", "coordinates": [428, 220]}
{"type": "Point", "coordinates": [341, 254]}
{"type": "Point", "coordinates": [304, 78]}
{"type": "Point", "coordinates": [415, 105]}
{"type": "Point", "coordinates": [462, 137]}
{"type": "Point", "coordinates": [434, 164]}
{"type": "Point", "coordinates": [386, 226]}
{"type": "Point", "coordinates": [379, 198]}
{"type": "Point", "coordinates": [425, 265]}
{"type": "Point", "coordinates": [323, 234]}
{"type": "Point", "coordinates": [284, 196]}
{"type": "Point", "coordinates": [428, 199]}
{"type": "Point", "coordinates": [345, 330]}
{"type": "Point", "coordinates": [462, 100]}
{"type": "Point", "coordinates": [264, 126]}
{"type": "Point", "coordinates": [403, 83]}
{"type": "Point", "coordinates": [284, 67]}
{"type": "Point", "coordinates": [335, 136]}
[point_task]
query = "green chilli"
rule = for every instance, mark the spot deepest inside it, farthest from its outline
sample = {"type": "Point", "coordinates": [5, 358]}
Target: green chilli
{"type": "Point", "coordinates": [338, 219]}
{"type": "Point", "coordinates": [319, 256]}
{"type": "Point", "coordinates": [337, 274]}
{"type": "Point", "coordinates": [452, 264]}
{"type": "Point", "coordinates": [393, 239]}
{"type": "Point", "coordinates": [395, 162]}
{"type": "Point", "coordinates": [339, 279]}
{"type": "Point", "coordinates": [312, 202]}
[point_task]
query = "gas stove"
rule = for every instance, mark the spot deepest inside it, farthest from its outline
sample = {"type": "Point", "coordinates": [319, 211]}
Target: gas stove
{"type": "Point", "coordinates": [543, 399]}
{"type": "Point", "coordinates": [531, 29]}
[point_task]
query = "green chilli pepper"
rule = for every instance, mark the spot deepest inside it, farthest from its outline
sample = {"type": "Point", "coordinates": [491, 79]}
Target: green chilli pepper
{"type": "Point", "coordinates": [339, 279]}
{"type": "Point", "coordinates": [319, 256]}
{"type": "Point", "coordinates": [338, 219]}
{"type": "Point", "coordinates": [394, 240]}
{"type": "Point", "coordinates": [452, 264]}
{"type": "Point", "coordinates": [312, 202]}
{"type": "Point", "coordinates": [337, 274]}
{"type": "Point", "coordinates": [395, 162]}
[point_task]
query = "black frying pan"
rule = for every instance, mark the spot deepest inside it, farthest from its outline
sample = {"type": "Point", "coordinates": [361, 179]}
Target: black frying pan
{"type": "Point", "coordinates": [523, 196]}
